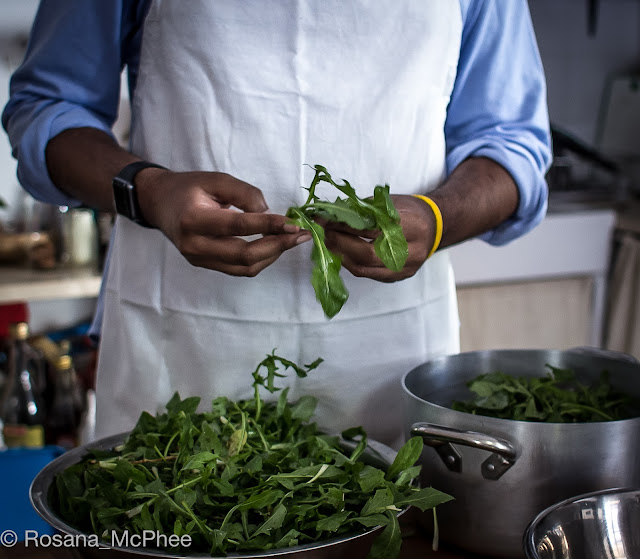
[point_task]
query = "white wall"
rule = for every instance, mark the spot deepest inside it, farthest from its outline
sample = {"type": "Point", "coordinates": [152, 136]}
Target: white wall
{"type": "Point", "coordinates": [577, 65]}
{"type": "Point", "coordinates": [15, 21]}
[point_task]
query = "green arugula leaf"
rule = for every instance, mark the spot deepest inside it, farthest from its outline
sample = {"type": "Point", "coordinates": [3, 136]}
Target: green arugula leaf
{"type": "Point", "coordinates": [407, 456]}
{"type": "Point", "coordinates": [426, 498]}
{"type": "Point", "coordinates": [379, 503]}
{"type": "Point", "coordinates": [369, 478]}
{"type": "Point", "coordinates": [374, 214]}
{"type": "Point", "coordinates": [275, 521]}
{"type": "Point", "coordinates": [333, 522]}
{"type": "Point", "coordinates": [325, 276]}
{"type": "Point", "coordinates": [390, 540]}
{"type": "Point", "coordinates": [343, 211]}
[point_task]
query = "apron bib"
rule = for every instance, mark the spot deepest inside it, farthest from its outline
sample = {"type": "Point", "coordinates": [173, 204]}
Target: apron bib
{"type": "Point", "coordinates": [258, 90]}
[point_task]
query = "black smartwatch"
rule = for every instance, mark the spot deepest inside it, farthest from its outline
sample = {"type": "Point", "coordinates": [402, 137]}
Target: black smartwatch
{"type": "Point", "coordinates": [124, 192]}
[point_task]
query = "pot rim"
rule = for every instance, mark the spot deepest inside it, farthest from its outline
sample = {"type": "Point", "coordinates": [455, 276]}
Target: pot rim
{"type": "Point", "coordinates": [486, 352]}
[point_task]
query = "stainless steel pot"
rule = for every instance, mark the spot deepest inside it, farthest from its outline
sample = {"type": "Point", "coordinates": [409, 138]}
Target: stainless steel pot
{"type": "Point", "coordinates": [598, 525]}
{"type": "Point", "coordinates": [502, 473]}
{"type": "Point", "coordinates": [352, 546]}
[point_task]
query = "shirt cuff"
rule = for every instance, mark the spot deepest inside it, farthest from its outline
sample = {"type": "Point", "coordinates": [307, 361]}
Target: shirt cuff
{"type": "Point", "coordinates": [526, 173]}
{"type": "Point", "coordinates": [30, 152]}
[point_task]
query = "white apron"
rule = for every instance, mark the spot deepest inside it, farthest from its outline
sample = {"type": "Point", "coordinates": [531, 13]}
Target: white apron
{"type": "Point", "coordinates": [258, 89]}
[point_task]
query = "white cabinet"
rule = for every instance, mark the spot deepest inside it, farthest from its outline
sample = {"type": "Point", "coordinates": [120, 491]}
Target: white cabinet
{"type": "Point", "coordinates": [544, 290]}
{"type": "Point", "coordinates": [536, 314]}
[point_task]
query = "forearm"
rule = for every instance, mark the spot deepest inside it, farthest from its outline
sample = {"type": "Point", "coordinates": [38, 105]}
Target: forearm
{"type": "Point", "coordinates": [478, 196]}
{"type": "Point", "coordinates": [82, 163]}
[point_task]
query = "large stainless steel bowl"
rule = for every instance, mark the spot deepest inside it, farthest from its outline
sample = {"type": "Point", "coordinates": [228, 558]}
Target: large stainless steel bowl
{"type": "Point", "coordinates": [351, 546]}
{"type": "Point", "coordinates": [598, 525]}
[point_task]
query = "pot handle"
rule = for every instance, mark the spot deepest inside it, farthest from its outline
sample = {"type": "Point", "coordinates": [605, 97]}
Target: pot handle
{"type": "Point", "coordinates": [503, 454]}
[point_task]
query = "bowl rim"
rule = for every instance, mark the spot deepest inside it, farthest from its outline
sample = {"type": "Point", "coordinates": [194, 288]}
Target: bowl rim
{"type": "Point", "coordinates": [528, 542]}
{"type": "Point", "coordinates": [39, 489]}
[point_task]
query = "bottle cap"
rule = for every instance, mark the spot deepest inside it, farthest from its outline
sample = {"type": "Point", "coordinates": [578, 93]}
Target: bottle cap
{"type": "Point", "coordinates": [64, 362]}
{"type": "Point", "coordinates": [34, 437]}
{"type": "Point", "coordinates": [19, 330]}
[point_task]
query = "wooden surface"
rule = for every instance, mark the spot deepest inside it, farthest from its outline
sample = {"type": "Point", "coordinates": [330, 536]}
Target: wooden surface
{"type": "Point", "coordinates": [415, 545]}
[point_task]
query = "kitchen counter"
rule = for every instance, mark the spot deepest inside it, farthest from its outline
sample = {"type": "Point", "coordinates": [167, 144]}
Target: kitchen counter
{"type": "Point", "coordinates": [26, 284]}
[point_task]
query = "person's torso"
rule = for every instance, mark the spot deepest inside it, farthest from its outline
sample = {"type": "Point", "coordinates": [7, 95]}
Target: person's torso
{"type": "Point", "coordinates": [261, 89]}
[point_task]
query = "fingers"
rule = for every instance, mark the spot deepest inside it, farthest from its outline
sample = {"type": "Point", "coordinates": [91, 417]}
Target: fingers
{"type": "Point", "coordinates": [359, 258]}
{"type": "Point", "coordinates": [228, 222]}
{"type": "Point", "coordinates": [237, 256]}
{"type": "Point", "coordinates": [357, 247]}
{"type": "Point", "coordinates": [208, 217]}
{"type": "Point", "coordinates": [342, 228]}
{"type": "Point", "coordinates": [353, 248]}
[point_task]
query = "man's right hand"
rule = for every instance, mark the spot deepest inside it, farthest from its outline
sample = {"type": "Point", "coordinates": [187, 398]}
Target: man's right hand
{"type": "Point", "coordinates": [204, 214]}
{"type": "Point", "coordinates": [207, 214]}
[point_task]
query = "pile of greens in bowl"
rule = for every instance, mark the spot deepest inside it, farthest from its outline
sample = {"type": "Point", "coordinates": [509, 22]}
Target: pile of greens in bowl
{"type": "Point", "coordinates": [245, 476]}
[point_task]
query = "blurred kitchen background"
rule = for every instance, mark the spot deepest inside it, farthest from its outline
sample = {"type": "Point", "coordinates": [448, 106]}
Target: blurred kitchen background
{"type": "Point", "coordinates": [574, 281]}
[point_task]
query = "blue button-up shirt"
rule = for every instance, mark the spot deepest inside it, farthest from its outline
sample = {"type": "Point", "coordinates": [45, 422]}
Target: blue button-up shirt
{"type": "Point", "coordinates": [77, 50]}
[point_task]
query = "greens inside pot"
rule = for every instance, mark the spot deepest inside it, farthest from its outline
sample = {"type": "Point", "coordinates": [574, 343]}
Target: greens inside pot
{"type": "Point", "coordinates": [557, 397]}
{"type": "Point", "coordinates": [247, 475]}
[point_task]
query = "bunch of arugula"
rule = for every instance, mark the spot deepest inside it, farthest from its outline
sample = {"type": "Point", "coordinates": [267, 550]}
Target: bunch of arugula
{"type": "Point", "coordinates": [557, 397]}
{"type": "Point", "coordinates": [247, 475]}
{"type": "Point", "coordinates": [370, 214]}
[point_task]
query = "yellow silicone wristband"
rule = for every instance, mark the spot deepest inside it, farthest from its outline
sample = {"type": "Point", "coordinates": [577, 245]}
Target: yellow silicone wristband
{"type": "Point", "coordinates": [439, 224]}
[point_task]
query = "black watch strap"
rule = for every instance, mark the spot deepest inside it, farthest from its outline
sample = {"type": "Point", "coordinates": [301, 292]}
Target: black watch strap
{"type": "Point", "coordinates": [124, 191]}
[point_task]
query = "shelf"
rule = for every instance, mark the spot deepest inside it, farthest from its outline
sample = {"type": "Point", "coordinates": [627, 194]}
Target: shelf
{"type": "Point", "coordinates": [24, 285]}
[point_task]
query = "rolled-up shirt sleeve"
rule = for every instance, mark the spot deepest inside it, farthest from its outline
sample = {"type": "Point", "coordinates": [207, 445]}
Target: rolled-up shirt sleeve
{"type": "Point", "coordinates": [70, 78]}
{"type": "Point", "coordinates": [498, 106]}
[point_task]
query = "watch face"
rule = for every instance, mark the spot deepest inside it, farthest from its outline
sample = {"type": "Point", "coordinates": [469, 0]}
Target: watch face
{"type": "Point", "coordinates": [123, 195]}
{"type": "Point", "coordinates": [124, 192]}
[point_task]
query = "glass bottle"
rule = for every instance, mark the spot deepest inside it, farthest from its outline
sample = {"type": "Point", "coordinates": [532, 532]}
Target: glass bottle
{"type": "Point", "coordinates": [67, 406]}
{"type": "Point", "coordinates": [22, 411]}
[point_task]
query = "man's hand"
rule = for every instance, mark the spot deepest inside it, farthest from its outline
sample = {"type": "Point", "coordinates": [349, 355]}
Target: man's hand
{"type": "Point", "coordinates": [356, 247]}
{"type": "Point", "coordinates": [207, 214]}
{"type": "Point", "coordinates": [478, 196]}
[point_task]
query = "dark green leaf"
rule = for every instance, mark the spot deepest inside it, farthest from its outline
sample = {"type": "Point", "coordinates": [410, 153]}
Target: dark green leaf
{"type": "Point", "coordinates": [379, 503]}
{"type": "Point", "coordinates": [274, 522]}
{"type": "Point", "coordinates": [388, 543]}
{"type": "Point", "coordinates": [333, 522]}
{"type": "Point", "coordinates": [407, 456]}
{"type": "Point", "coordinates": [304, 408]}
{"type": "Point", "coordinates": [370, 478]}
{"type": "Point", "coordinates": [426, 498]}
{"type": "Point", "coordinates": [377, 214]}
{"type": "Point", "coordinates": [188, 405]}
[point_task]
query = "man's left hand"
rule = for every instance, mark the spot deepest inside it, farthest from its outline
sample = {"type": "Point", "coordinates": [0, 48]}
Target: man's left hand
{"type": "Point", "coordinates": [356, 247]}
